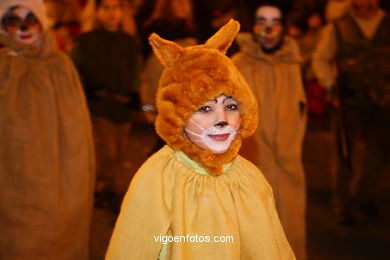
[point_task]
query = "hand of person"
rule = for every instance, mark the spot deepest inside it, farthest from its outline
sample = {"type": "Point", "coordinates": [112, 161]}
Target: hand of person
{"type": "Point", "coordinates": [100, 93]}
{"type": "Point", "coordinates": [332, 99]}
{"type": "Point", "coordinates": [119, 98]}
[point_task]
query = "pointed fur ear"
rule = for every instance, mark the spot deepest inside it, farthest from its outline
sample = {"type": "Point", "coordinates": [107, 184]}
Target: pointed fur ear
{"type": "Point", "coordinates": [168, 52]}
{"type": "Point", "coordinates": [222, 39]}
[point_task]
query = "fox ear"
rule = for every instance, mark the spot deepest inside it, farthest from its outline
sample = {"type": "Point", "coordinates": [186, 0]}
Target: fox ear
{"type": "Point", "coordinates": [168, 52]}
{"type": "Point", "coordinates": [222, 39]}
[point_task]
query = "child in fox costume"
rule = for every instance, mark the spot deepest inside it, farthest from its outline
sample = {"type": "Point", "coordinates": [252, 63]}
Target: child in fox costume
{"type": "Point", "coordinates": [197, 185]}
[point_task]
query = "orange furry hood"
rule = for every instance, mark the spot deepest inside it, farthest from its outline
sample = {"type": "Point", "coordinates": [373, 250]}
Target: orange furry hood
{"type": "Point", "coordinates": [192, 76]}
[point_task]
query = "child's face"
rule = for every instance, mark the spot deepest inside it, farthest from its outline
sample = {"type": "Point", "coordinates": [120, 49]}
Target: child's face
{"type": "Point", "coordinates": [268, 28]}
{"type": "Point", "coordinates": [215, 125]}
{"type": "Point", "coordinates": [314, 21]}
{"type": "Point", "coordinates": [22, 25]}
{"type": "Point", "coordinates": [110, 14]}
{"type": "Point", "coordinates": [365, 9]}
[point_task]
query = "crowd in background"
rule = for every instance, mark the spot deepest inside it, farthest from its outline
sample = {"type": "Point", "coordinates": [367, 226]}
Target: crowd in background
{"type": "Point", "coordinates": [107, 41]}
{"type": "Point", "coordinates": [199, 19]}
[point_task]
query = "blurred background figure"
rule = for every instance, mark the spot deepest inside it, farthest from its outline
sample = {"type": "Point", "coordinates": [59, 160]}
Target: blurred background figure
{"type": "Point", "coordinates": [317, 107]}
{"type": "Point", "coordinates": [174, 9]}
{"type": "Point", "coordinates": [63, 11]}
{"type": "Point", "coordinates": [64, 18]}
{"type": "Point", "coordinates": [359, 43]}
{"type": "Point", "coordinates": [151, 14]}
{"type": "Point", "coordinates": [335, 9]}
{"type": "Point", "coordinates": [46, 150]}
{"type": "Point", "coordinates": [173, 29]}
{"type": "Point", "coordinates": [209, 16]}
{"type": "Point", "coordinates": [88, 18]}
{"type": "Point", "coordinates": [109, 62]}
{"type": "Point", "coordinates": [70, 18]}
{"type": "Point", "coordinates": [269, 61]}
{"type": "Point", "coordinates": [89, 21]}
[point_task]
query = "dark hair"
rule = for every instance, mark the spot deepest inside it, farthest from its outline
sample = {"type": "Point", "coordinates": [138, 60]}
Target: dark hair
{"type": "Point", "coordinates": [274, 3]}
{"type": "Point", "coordinates": [283, 6]}
{"type": "Point", "coordinates": [299, 20]}
{"type": "Point", "coordinates": [303, 11]}
{"type": "Point", "coordinates": [99, 2]}
{"type": "Point", "coordinates": [171, 29]}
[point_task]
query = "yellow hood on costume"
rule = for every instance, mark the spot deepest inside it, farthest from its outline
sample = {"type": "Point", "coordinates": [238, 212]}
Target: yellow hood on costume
{"type": "Point", "coordinates": [192, 76]}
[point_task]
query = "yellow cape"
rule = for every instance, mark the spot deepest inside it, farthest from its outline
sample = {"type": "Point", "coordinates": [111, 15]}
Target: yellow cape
{"type": "Point", "coordinates": [169, 195]}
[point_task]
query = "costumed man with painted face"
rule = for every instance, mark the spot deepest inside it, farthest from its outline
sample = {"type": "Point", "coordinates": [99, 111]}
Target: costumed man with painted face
{"type": "Point", "coordinates": [269, 61]}
{"type": "Point", "coordinates": [46, 149]}
{"type": "Point", "coordinates": [359, 43]}
{"type": "Point", "coordinates": [196, 188]}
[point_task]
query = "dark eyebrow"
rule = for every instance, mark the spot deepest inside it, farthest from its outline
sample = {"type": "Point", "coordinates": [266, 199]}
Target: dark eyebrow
{"type": "Point", "coordinates": [10, 16]}
{"type": "Point", "coordinates": [226, 98]}
{"type": "Point", "coordinates": [213, 100]}
{"type": "Point", "coordinates": [276, 19]}
{"type": "Point", "coordinates": [260, 19]}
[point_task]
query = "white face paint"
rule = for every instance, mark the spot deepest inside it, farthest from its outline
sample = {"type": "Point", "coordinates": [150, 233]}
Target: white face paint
{"type": "Point", "coordinates": [217, 140]}
{"type": "Point", "coordinates": [268, 28]}
{"type": "Point", "coordinates": [22, 25]}
{"type": "Point", "coordinates": [215, 125]}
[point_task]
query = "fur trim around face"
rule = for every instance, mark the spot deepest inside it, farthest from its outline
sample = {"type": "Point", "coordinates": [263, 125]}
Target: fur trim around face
{"type": "Point", "coordinates": [194, 75]}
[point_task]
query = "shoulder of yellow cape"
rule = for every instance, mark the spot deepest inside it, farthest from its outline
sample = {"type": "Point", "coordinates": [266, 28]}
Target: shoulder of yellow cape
{"type": "Point", "coordinates": [168, 52]}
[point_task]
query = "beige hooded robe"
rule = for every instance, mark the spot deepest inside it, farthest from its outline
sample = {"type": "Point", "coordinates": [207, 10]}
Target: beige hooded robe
{"type": "Point", "coordinates": [46, 151]}
{"type": "Point", "coordinates": [277, 144]}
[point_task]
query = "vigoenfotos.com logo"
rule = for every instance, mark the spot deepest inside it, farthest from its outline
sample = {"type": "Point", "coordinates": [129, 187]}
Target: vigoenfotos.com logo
{"type": "Point", "coordinates": [164, 239]}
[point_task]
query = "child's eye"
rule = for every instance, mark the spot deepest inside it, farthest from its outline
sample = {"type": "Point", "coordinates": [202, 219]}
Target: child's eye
{"type": "Point", "coordinates": [204, 109]}
{"type": "Point", "coordinates": [12, 21]}
{"type": "Point", "coordinates": [232, 107]}
{"type": "Point", "coordinates": [31, 19]}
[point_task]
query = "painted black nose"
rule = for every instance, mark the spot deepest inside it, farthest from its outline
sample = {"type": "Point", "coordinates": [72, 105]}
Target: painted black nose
{"type": "Point", "coordinates": [222, 123]}
{"type": "Point", "coordinates": [268, 30]}
{"type": "Point", "coordinates": [23, 28]}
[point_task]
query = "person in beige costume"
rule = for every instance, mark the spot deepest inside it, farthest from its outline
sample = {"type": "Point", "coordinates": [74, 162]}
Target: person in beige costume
{"type": "Point", "coordinates": [46, 149]}
{"type": "Point", "coordinates": [357, 44]}
{"type": "Point", "coordinates": [270, 64]}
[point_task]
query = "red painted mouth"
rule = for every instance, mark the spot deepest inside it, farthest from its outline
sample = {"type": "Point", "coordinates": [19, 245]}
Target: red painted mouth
{"type": "Point", "coordinates": [269, 40]}
{"type": "Point", "coordinates": [222, 137]}
{"type": "Point", "coordinates": [26, 36]}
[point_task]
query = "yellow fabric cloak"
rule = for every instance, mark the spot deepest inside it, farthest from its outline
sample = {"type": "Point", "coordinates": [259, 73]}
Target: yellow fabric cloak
{"type": "Point", "coordinates": [168, 195]}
